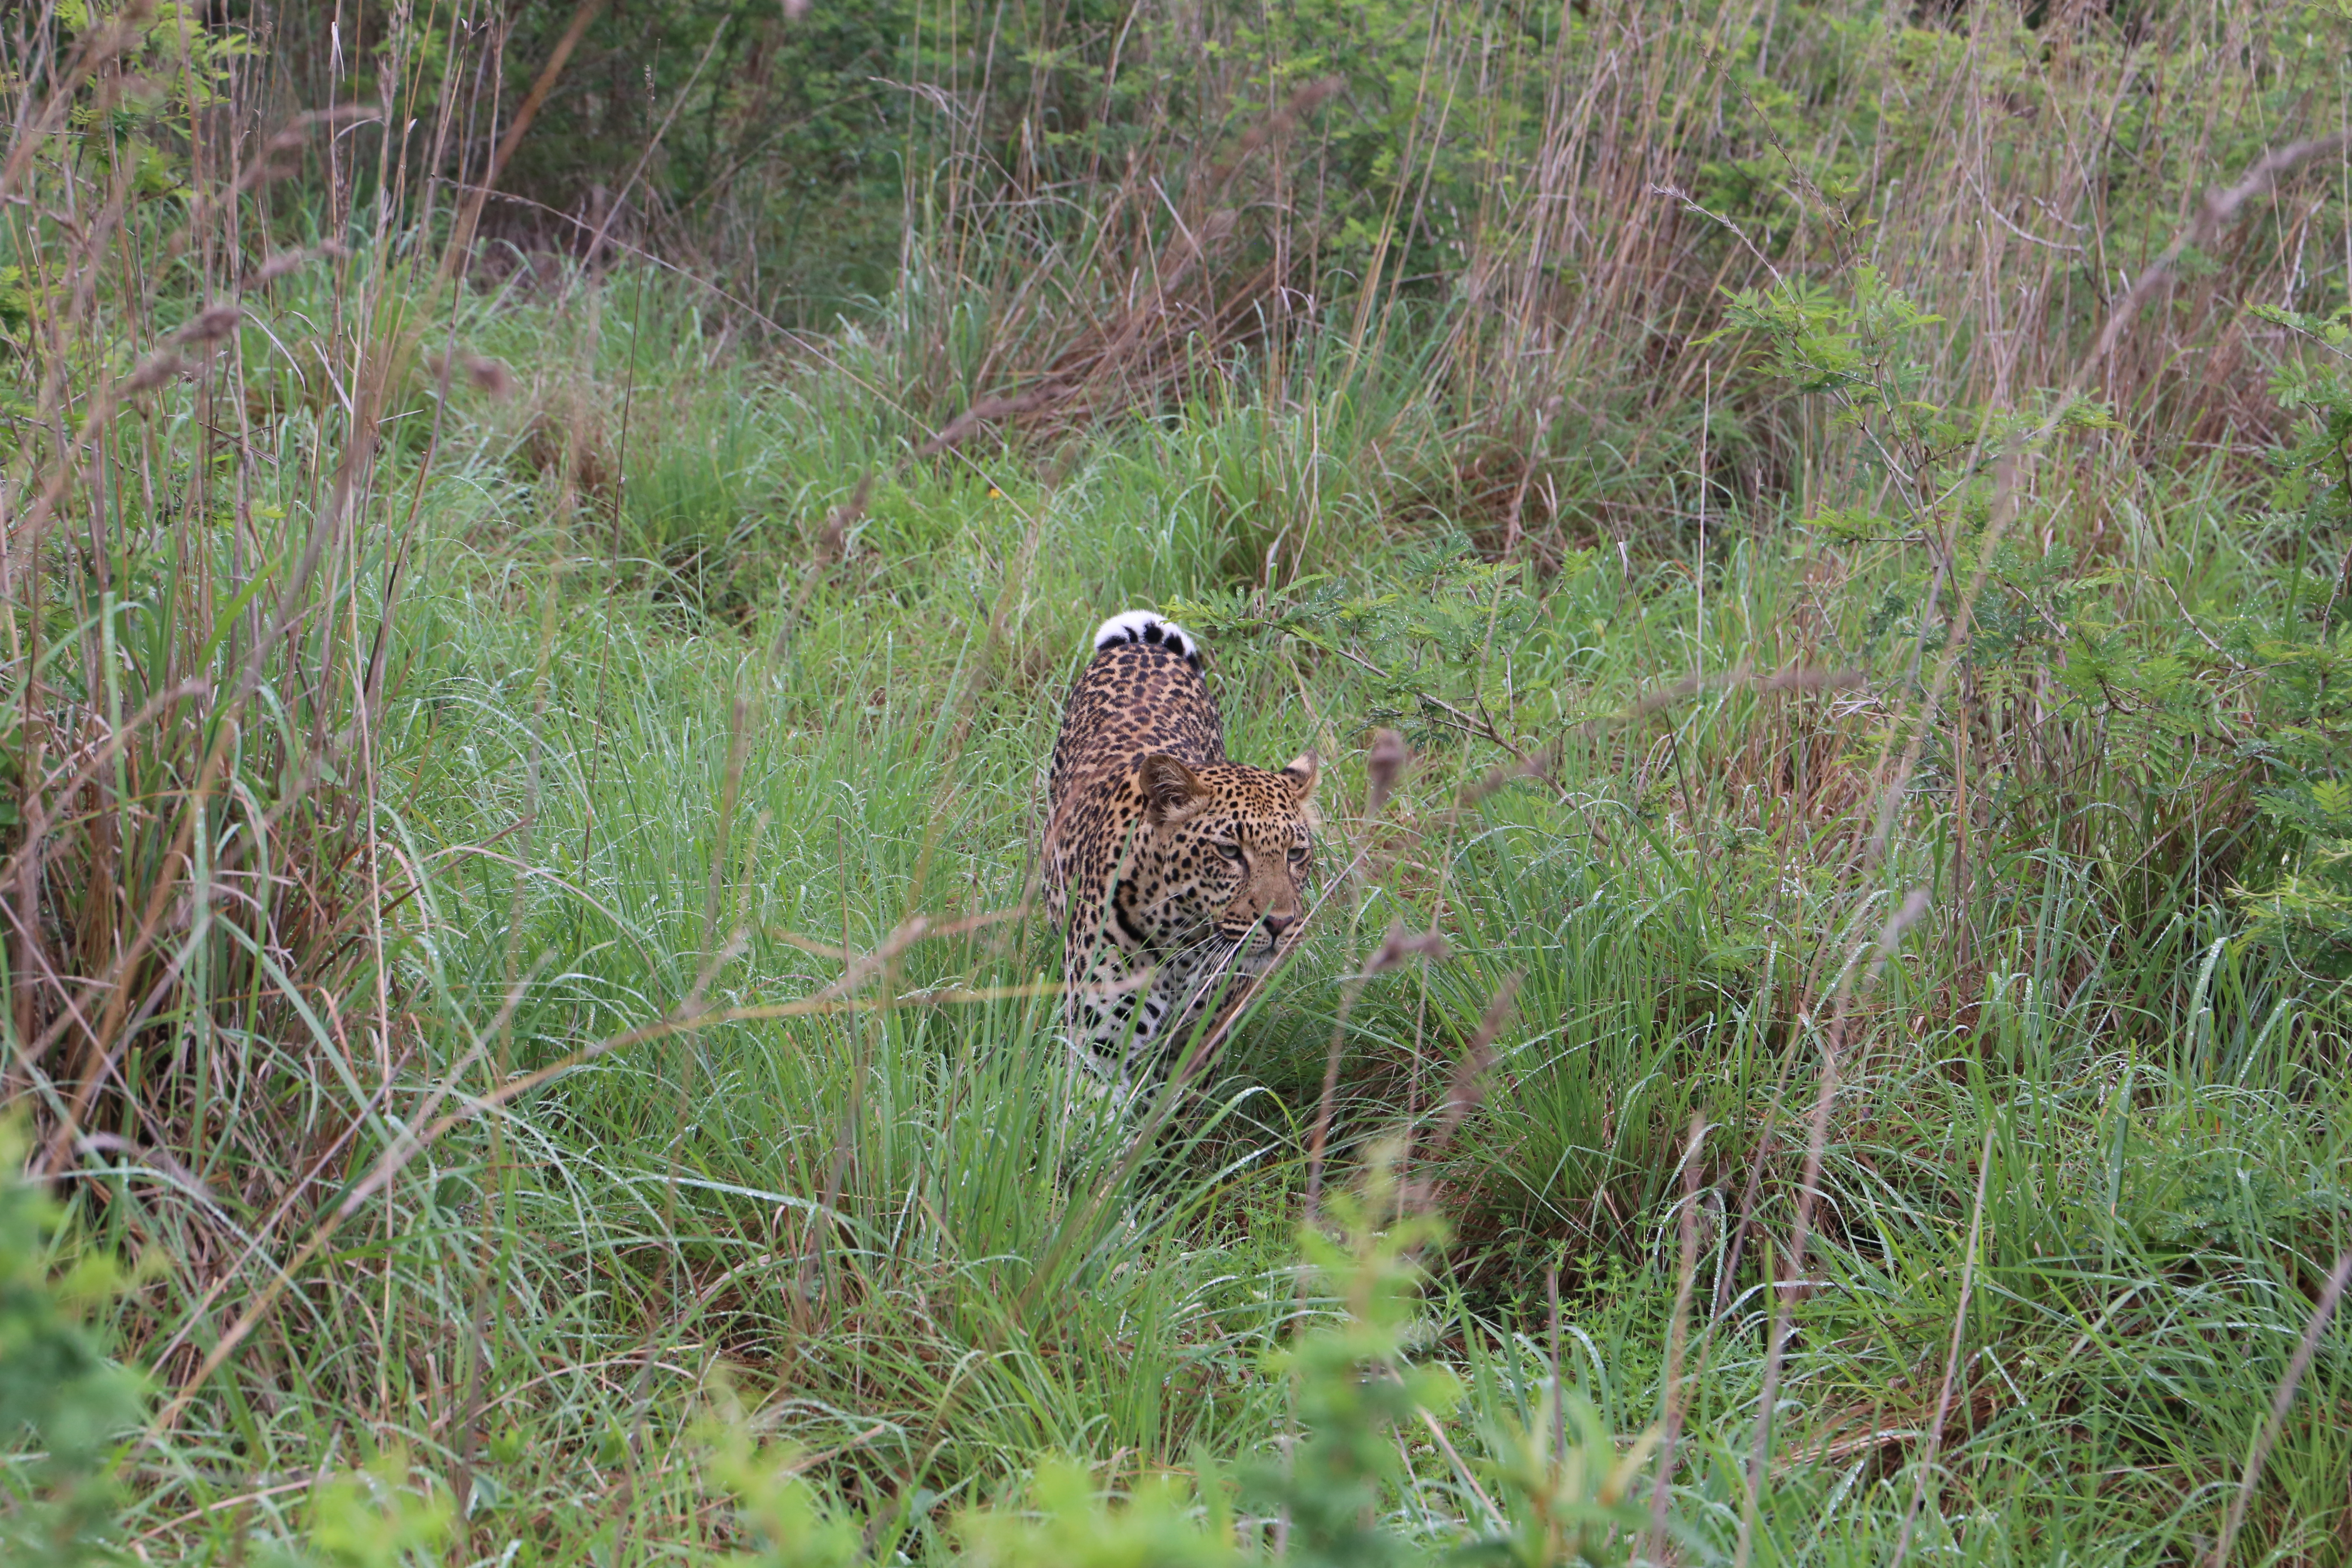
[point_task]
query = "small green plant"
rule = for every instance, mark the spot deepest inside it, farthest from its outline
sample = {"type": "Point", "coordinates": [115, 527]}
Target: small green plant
{"type": "Point", "coordinates": [791, 1524]}
{"type": "Point", "coordinates": [1567, 1493]}
{"type": "Point", "coordinates": [63, 1405]}
{"type": "Point", "coordinates": [381, 1516]}
{"type": "Point", "coordinates": [1355, 1387]}
{"type": "Point", "coordinates": [1553, 1500]}
{"type": "Point", "coordinates": [1161, 1524]}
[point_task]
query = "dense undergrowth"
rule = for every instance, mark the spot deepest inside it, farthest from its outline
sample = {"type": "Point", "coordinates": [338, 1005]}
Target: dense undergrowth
{"type": "Point", "coordinates": [522, 775]}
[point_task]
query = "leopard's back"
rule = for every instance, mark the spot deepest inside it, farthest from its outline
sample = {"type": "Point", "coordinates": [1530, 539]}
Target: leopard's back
{"type": "Point", "coordinates": [1141, 692]}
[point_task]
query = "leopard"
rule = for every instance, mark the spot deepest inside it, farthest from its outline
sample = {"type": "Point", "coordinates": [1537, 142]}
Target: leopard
{"type": "Point", "coordinates": [1174, 873]}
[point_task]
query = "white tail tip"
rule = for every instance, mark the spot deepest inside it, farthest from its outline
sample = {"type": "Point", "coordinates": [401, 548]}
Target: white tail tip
{"type": "Point", "coordinates": [1147, 627]}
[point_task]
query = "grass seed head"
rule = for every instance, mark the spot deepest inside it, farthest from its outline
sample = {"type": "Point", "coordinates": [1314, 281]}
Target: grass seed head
{"type": "Point", "coordinates": [213, 323]}
{"type": "Point", "coordinates": [1383, 765]}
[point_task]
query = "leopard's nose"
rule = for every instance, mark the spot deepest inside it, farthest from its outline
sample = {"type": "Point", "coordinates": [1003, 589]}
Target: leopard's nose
{"type": "Point", "coordinates": [1276, 924]}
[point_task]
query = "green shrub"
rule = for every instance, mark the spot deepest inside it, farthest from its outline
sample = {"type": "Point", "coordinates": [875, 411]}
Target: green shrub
{"type": "Point", "coordinates": [2301, 904]}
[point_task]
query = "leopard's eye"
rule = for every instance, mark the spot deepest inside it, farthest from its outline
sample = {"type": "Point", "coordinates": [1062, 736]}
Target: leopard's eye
{"type": "Point", "coordinates": [1298, 855]}
{"type": "Point", "coordinates": [1232, 852]}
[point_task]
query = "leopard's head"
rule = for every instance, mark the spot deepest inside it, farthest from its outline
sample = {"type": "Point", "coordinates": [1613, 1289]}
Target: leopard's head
{"type": "Point", "coordinates": [1233, 847]}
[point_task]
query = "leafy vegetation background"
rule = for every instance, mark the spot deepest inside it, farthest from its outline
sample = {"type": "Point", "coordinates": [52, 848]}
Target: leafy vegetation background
{"type": "Point", "coordinates": [543, 547]}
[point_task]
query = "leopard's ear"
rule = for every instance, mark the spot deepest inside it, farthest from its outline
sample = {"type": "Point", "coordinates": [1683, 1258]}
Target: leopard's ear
{"type": "Point", "coordinates": [1168, 786]}
{"type": "Point", "coordinates": [1301, 771]}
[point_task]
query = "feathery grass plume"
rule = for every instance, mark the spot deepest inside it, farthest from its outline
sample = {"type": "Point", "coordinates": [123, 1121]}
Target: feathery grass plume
{"type": "Point", "coordinates": [1384, 764]}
